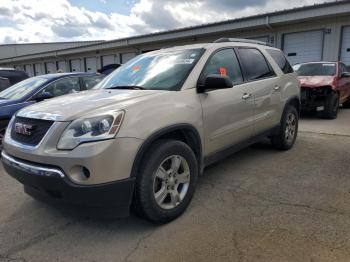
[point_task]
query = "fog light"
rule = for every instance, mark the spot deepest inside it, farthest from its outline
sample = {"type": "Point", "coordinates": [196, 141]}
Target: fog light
{"type": "Point", "coordinates": [86, 172]}
{"type": "Point", "coordinates": [79, 173]}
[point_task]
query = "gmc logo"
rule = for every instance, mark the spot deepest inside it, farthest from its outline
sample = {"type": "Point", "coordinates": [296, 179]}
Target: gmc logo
{"type": "Point", "coordinates": [23, 129]}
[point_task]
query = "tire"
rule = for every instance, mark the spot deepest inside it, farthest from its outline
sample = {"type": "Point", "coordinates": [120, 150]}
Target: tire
{"type": "Point", "coordinates": [331, 106]}
{"type": "Point", "coordinates": [288, 131]}
{"type": "Point", "coordinates": [346, 104]}
{"type": "Point", "coordinates": [159, 180]}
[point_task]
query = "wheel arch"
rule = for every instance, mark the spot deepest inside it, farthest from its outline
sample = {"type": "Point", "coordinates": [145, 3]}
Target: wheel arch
{"type": "Point", "coordinates": [294, 101]}
{"type": "Point", "coordinates": [184, 132]}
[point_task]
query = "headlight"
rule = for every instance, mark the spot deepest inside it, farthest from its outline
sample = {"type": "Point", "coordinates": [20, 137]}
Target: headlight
{"type": "Point", "coordinates": [89, 129]}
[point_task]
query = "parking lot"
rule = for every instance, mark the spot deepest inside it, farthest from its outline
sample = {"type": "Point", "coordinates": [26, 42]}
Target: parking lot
{"type": "Point", "coordinates": [257, 205]}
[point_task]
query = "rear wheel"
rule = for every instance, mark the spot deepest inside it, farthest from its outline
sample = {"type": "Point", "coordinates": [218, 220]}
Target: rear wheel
{"type": "Point", "coordinates": [166, 183]}
{"type": "Point", "coordinates": [288, 130]}
{"type": "Point", "coordinates": [331, 106]}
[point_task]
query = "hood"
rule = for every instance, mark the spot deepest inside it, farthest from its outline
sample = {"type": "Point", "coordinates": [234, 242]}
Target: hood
{"type": "Point", "coordinates": [316, 81]}
{"type": "Point", "coordinates": [72, 106]}
{"type": "Point", "coordinates": [4, 102]}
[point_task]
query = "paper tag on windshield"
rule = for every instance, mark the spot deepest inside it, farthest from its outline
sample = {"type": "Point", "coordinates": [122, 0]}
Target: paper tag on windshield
{"type": "Point", "coordinates": [184, 61]}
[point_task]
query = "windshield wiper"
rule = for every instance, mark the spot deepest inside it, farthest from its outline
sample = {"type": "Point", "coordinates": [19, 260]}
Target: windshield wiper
{"type": "Point", "coordinates": [3, 98]}
{"type": "Point", "coordinates": [127, 87]}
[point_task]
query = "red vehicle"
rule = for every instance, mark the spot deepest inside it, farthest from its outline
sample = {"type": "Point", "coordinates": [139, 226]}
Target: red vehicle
{"type": "Point", "coordinates": [324, 85]}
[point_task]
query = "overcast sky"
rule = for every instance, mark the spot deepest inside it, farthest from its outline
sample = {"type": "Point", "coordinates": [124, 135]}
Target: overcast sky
{"type": "Point", "coordinates": [23, 21]}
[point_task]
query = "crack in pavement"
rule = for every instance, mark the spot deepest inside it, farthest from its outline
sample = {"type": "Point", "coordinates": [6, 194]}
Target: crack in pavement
{"type": "Point", "coordinates": [237, 248]}
{"type": "Point", "coordinates": [137, 246]}
{"type": "Point", "coordinates": [331, 211]}
{"type": "Point", "coordinates": [34, 241]}
{"type": "Point", "coordinates": [8, 259]}
{"type": "Point", "coordinates": [323, 133]}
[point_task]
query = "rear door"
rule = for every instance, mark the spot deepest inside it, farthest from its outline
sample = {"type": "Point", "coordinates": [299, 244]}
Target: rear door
{"type": "Point", "coordinates": [228, 114]}
{"type": "Point", "coordinates": [265, 88]}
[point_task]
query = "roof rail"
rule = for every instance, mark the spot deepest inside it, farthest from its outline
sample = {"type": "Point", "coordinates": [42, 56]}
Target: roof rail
{"type": "Point", "coordinates": [241, 40]}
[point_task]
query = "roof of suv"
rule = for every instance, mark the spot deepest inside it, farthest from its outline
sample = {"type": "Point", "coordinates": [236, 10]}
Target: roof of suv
{"type": "Point", "coordinates": [216, 45]}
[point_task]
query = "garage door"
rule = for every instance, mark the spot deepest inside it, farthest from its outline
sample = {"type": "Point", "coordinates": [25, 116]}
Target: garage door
{"type": "Point", "coordinates": [38, 69]}
{"type": "Point", "coordinates": [62, 66]}
{"type": "Point", "coordinates": [91, 64]}
{"type": "Point", "coordinates": [108, 59]}
{"type": "Point", "coordinates": [29, 69]}
{"type": "Point", "coordinates": [50, 68]}
{"type": "Point", "coordinates": [345, 46]}
{"type": "Point", "coordinates": [127, 56]}
{"type": "Point", "coordinates": [304, 46]}
{"type": "Point", "coordinates": [75, 65]}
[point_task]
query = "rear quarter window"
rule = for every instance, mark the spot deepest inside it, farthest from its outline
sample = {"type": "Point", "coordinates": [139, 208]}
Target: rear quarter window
{"type": "Point", "coordinates": [280, 60]}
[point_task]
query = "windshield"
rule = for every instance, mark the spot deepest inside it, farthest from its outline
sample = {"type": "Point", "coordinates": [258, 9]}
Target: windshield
{"type": "Point", "coordinates": [22, 88]}
{"type": "Point", "coordinates": [166, 70]}
{"type": "Point", "coordinates": [316, 69]}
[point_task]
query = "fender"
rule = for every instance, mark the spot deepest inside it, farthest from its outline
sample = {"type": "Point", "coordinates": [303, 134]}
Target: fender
{"type": "Point", "coordinates": [164, 131]}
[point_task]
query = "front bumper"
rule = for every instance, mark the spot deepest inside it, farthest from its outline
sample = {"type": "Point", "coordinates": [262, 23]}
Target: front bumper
{"type": "Point", "coordinates": [311, 98]}
{"type": "Point", "coordinates": [51, 184]}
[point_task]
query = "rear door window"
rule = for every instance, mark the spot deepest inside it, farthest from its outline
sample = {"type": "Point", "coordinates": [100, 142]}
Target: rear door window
{"type": "Point", "coordinates": [254, 64]}
{"type": "Point", "coordinates": [281, 61]}
{"type": "Point", "coordinates": [225, 63]}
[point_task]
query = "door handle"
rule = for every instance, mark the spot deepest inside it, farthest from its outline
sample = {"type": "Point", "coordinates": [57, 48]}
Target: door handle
{"type": "Point", "coordinates": [246, 96]}
{"type": "Point", "coordinates": [277, 87]}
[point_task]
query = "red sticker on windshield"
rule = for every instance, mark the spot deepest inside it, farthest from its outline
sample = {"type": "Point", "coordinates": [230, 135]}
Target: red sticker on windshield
{"type": "Point", "coordinates": [136, 68]}
{"type": "Point", "coordinates": [223, 71]}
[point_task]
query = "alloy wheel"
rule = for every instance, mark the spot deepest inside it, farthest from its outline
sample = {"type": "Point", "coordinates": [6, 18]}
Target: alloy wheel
{"type": "Point", "coordinates": [291, 126]}
{"type": "Point", "coordinates": [171, 182]}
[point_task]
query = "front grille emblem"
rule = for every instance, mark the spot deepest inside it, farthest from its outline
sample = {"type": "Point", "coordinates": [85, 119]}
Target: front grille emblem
{"type": "Point", "coordinates": [23, 129]}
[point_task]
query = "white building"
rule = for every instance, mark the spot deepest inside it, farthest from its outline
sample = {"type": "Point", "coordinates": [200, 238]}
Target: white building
{"type": "Point", "coordinates": [310, 33]}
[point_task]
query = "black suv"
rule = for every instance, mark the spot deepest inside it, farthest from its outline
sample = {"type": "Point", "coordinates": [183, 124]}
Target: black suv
{"type": "Point", "coordinates": [12, 75]}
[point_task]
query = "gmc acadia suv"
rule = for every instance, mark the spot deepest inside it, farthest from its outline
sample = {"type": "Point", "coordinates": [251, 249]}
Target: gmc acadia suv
{"type": "Point", "coordinates": [148, 130]}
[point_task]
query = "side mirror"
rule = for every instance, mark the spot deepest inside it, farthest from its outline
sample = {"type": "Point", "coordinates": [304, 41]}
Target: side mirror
{"type": "Point", "coordinates": [214, 82]}
{"type": "Point", "coordinates": [43, 96]}
{"type": "Point", "coordinates": [345, 74]}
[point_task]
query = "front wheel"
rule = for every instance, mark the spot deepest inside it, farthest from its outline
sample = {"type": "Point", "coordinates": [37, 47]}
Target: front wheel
{"type": "Point", "coordinates": [288, 131]}
{"type": "Point", "coordinates": [166, 183]}
{"type": "Point", "coordinates": [331, 106]}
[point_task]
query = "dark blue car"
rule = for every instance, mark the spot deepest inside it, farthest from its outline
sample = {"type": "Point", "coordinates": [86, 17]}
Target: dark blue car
{"type": "Point", "coordinates": [36, 89]}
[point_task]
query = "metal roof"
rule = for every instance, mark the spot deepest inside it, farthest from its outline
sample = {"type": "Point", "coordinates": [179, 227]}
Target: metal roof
{"type": "Point", "coordinates": [287, 16]}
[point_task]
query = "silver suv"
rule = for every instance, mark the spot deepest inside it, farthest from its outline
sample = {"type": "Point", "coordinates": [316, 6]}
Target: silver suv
{"type": "Point", "coordinates": [146, 133]}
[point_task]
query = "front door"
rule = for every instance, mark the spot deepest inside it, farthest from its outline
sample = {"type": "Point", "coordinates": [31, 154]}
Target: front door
{"type": "Point", "coordinates": [228, 114]}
